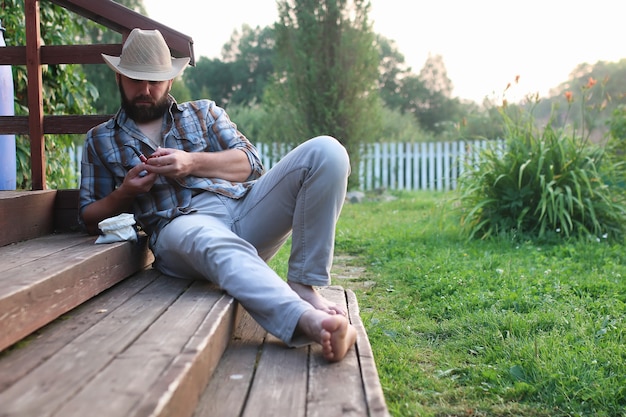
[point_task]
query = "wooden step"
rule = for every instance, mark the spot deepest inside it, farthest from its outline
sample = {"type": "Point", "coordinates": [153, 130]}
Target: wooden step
{"type": "Point", "coordinates": [259, 376]}
{"type": "Point", "coordinates": [30, 214]}
{"type": "Point", "coordinates": [43, 278]}
{"type": "Point", "coordinates": [26, 215]}
{"type": "Point", "coordinates": [145, 347]}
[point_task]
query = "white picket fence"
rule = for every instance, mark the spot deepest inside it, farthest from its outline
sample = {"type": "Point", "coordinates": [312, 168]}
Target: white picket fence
{"type": "Point", "coordinates": [432, 166]}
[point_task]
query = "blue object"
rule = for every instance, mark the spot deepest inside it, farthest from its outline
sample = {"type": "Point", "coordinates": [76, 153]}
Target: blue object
{"type": "Point", "coordinates": [8, 165]}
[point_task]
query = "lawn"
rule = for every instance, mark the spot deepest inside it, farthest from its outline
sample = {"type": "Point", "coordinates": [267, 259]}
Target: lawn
{"type": "Point", "coordinates": [485, 328]}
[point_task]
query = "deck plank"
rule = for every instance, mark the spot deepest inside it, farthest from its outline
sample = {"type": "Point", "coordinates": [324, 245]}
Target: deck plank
{"type": "Point", "coordinates": [45, 343]}
{"type": "Point", "coordinates": [66, 211]}
{"type": "Point", "coordinates": [61, 272]}
{"type": "Point", "coordinates": [150, 345]}
{"type": "Point", "coordinates": [135, 371]}
{"type": "Point", "coordinates": [226, 393]}
{"type": "Point", "coordinates": [18, 254]}
{"type": "Point", "coordinates": [371, 382]}
{"type": "Point", "coordinates": [26, 215]}
{"type": "Point", "coordinates": [47, 388]}
{"type": "Point", "coordinates": [335, 389]}
{"type": "Point", "coordinates": [294, 382]}
{"type": "Point", "coordinates": [280, 384]}
{"type": "Point", "coordinates": [177, 391]}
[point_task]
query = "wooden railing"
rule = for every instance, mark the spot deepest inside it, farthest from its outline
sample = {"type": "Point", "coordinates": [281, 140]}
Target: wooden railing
{"type": "Point", "coordinates": [33, 55]}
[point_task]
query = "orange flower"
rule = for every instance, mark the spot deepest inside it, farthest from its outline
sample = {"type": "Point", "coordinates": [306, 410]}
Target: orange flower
{"type": "Point", "coordinates": [569, 96]}
{"type": "Point", "coordinates": [591, 82]}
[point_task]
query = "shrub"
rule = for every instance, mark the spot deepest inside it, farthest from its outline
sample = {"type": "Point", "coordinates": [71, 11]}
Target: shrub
{"type": "Point", "coordinates": [546, 182]}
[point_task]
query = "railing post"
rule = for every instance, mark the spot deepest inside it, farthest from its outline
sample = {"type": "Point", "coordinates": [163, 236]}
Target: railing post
{"type": "Point", "coordinates": [35, 94]}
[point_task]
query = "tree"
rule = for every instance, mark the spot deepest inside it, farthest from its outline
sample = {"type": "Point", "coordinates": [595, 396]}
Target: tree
{"type": "Point", "coordinates": [253, 54]}
{"type": "Point", "coordinates": [434, 75]}
{"type": "Point", "coordinates": [392, 73]}
{"type": "Point", "coordinates": [437, 110]}
{"type": "Point", "coordinates": [99, 75]}
{"type": "Point", "coordinates": [427, 96]}
{"type": "Point", "coordinates": [327, 68]}
{"type": "Point", "coordinates": [211, 78]}
{"type": "Point", "coordinates": [481, 122]}
{"type": "Point", "coordinates": [240, 77]}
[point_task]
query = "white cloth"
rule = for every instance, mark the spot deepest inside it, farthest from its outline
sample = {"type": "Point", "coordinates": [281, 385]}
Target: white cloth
{"type": "Point", "coordinates": [117, 229]}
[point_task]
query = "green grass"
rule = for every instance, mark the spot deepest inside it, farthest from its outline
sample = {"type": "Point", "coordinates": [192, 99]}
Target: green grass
{"type": "Point", "coordinates": [485, 328]}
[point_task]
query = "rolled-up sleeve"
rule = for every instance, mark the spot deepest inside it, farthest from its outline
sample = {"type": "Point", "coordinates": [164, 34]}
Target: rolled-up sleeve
{"type": "Point", "coordinates": [227, 135]}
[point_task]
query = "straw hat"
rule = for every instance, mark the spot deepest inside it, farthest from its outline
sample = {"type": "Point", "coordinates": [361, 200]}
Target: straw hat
{"type": "Point", "coordinates": [146, 56]}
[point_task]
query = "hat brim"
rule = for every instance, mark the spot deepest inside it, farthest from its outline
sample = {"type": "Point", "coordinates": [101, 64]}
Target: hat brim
{"type": "Point", "coordinates": [178, 65]}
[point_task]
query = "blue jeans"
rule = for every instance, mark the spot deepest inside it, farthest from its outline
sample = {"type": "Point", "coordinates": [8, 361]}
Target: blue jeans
{"type": "Point", "coordinates": [229, 241]}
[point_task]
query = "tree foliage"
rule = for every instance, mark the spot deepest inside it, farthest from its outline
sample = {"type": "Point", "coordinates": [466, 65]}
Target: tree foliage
{"type": "Point", "coordinates": [210, 78]}
{"type": "Point", "coordinates": [100, 76]}
{"type": "Point", "coordinates": [240, 77]}
{"type": "Point", "coordinates": [327, 68]}
{"type": "Point", "coordinates": [392, 74]}
{"type": "Point", "coordinates": [427, 96]}
{"type": "Point", "coordinates": [436, 109]}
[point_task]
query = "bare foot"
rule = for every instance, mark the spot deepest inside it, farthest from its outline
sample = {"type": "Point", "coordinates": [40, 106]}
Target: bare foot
{"type": "Point", "coordinates": [310, 295]}
{"type": "Point", "coordinates": [333, 332]}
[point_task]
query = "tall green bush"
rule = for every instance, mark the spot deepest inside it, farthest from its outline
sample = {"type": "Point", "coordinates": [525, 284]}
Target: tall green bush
{"type": "Point", "coordinates": [547, 182]}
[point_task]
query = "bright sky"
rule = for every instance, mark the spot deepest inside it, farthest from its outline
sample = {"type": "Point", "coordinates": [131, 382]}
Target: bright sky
{"type": "Point", "coordinates": [485, 44]}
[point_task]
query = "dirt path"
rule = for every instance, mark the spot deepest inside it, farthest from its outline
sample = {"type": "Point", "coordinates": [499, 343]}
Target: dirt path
{"type": "Point", "coordinates": [348, 273]}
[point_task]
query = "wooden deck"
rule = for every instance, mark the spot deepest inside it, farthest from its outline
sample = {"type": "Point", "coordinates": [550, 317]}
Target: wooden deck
{"type": "Point", "coordinates": [93, 330]}
{"type": "Point", "coordinates": [45, 277]}
{"type": "Point", "coordinates": [258, 376]}
{"type": "Point", "coordinates": [145, 347]}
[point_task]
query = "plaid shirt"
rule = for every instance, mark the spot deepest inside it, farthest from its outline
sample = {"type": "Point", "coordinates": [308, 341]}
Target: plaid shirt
{"type": "Point", "coordinates": [197, 126]}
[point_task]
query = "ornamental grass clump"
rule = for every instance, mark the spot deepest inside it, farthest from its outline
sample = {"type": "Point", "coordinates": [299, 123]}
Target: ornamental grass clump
{"type": "Point", "coordinates": [546, 182]}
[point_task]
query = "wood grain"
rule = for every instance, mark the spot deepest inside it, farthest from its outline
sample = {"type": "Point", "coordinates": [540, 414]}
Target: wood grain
{"type": "Point", "coordinates": [58, 274]}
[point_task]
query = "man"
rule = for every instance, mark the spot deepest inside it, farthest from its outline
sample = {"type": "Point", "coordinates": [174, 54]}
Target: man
{"type": "Point", "coordinates": [210, 210]}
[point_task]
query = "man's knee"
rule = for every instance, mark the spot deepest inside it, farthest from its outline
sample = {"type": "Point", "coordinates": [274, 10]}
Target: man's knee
{"type": "Point", "coordinates": [334, 154]}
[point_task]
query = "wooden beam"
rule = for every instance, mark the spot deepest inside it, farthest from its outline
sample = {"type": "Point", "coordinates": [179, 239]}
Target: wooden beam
{"type": "Point", "coordinates": [76, 124]}
{"type": "Point", "coordinates": [13, 55]}
{"type": "Point", "coordinates": [35, 95]}
{"type": "Point", "coordinates": [14, 125]}
{"type": "Point", "coordinates": [122, 20]}
{"type": "Point", "coordinates": [53, 125]}
{"type": "Point", "coordinates": [78, 54]}
{"type": "Point", "coordinates": [61, 54]}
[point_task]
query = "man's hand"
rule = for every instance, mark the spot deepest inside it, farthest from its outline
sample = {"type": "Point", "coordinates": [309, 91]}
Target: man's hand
{"type": "Point", "coordinates": [169, 162]}
{"type": "Point", "coordinates": [120, 200]}
{"type": "Point", "coordinates": [230, 165]}
{"type": "Point", "coordinates": [137, 181]}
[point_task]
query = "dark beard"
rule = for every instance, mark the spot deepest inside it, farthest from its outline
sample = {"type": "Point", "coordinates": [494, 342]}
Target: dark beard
{"type": "Point", "coordinates": [143, 114]}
